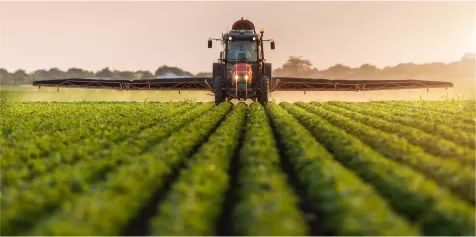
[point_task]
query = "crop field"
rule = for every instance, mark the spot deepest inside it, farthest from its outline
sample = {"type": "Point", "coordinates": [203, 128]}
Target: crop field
{"type": "Point", "coordinates": [194, 168]}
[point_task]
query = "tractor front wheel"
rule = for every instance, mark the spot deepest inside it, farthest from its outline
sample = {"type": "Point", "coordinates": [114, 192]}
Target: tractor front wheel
{"type": "Point", "coordinates": [218, 89]}
{"type": "Point", "coordinates": [263, 87]}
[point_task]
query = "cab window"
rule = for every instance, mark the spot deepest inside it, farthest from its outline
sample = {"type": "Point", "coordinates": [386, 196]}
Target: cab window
{"type": "Point", "coordinates": [242, 50]}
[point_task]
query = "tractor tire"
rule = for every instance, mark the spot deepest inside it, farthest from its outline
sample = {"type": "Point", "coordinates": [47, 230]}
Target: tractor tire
{"type": "Point", "coordinates": [263, 87]}
{"type": "Point", "coordinates": [218, 89]}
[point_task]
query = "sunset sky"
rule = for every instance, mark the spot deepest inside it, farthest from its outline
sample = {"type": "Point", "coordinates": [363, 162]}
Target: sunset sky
{"type": "Point", "coordinates": [146, 35]}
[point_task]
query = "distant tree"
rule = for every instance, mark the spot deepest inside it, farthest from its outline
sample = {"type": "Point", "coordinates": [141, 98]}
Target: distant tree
{"type": "Point", "coordinates": [204, 74]}
{"type": "Point", "coordinates": [104, 73]}
{"type": "Point", "coordinates": [73, 70]}
{"type": "Point", "coordinates": [144, 75]}
{"type": "Point", "coordinates": [3, 72]}
{"type": "Point", "coordinates": [78, 73]}
{"type": "Point", "coordinates": [123, 75]}
{"type": "Point", "coordinates": [40, 75]}
{"type": "Point", "coordinates": [469, 57]}
{"type": "Point", "coordinates": [368, 68]}
{"type": "Point", "coordinates": [338, 69]}
{"type": "Point", "coordinates": [466, 67]}
{"type": "Point", "coordinates": [55, 73]}
{"type": "Point", "coordinates": [401, 71]}
{"type": "Point", "coordinates": [4, 77]}
{"type": "Point", "coordinates": [296, 66]}
{"type": "Point", "coordinates": [20, 77]}
{"type": "Point", "coordinates": [164, 70]}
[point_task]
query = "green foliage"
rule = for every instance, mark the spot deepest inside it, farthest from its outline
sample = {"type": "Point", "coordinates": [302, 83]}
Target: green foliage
{"type": "Point", "coordinates": [349, 205]}
{"type": "Point", "coordinates": [410, 192]}
{"type": "Point", "coordinates": [457, 177]}
{"type": "Point", "coordinates": [147, 171]}
{"type": "Point", "coordinates": [193, 204]}
{"type": "Point", "coordinates": [99, 168]}
{"type": "Point", "coordinates": [431, 144]}
{"type": "Point", "coordinates": [89, 162]}
{"type": "Point", "coordinates": [264, 198]}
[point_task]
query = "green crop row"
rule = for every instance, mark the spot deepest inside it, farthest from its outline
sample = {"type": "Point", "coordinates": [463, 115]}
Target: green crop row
{"type": "Point", "coordinates": [47, 192]}
{"type": "Point", "coordinates": [430, 143]}
{"type": "Point", "coordinates": [186, 168]}
{"type": "Point", "coordinates": [413, 195]}
{"type": "Point", "coordinates": [131, 186]}
{"type": "Point", "coordinates": [92, 148]}
{"type": "Point", "coordinates": [465, 110]}
{"type": "Point", "coordinates": [78, 123]}
{"type": "Point", "coordinates": [72, 152]}
{"type": "Point", "coordinates": [459, 121]}
{"type": "Point", "coordinates": [348, 206]}
{"type": "Point", "coordinates": [449, 173]}
{"type": "Point", "coordinates": [459, 137]}
{"type": "Point", "coordinates": [265, 205]}
{"type": "Point", "coordinates": [30, 144]}
{"type": "Point", "coordinates": [196, 199]}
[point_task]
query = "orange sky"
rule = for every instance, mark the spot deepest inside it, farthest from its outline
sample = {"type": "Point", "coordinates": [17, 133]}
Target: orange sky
{"type": "Point", "coordinates": [146, 35]}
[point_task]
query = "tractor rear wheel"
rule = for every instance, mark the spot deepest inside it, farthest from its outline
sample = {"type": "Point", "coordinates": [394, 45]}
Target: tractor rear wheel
{"type": "Point", "coordinates": [218, 89]}
{"type": "Point", "coordinates": [263, 87]}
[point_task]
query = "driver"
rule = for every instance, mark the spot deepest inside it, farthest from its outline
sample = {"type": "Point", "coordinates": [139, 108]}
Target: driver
{"type": "Point", "coordinates": [244, 55]}
{"type": "Point", "coordinates": [242, 52]}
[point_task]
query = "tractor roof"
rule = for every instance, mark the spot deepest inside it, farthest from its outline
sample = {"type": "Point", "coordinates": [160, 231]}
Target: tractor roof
{"type": "Point", "coordinates": [241, 30]}
{"type": "Point", "coordinates": [243, 25]}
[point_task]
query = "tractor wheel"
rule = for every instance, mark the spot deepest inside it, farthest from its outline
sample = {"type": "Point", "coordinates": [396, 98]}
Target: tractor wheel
{"type": "Point", "coordinates": [218, 90]}
{"type": "Point", "coordinates": [263, 86]}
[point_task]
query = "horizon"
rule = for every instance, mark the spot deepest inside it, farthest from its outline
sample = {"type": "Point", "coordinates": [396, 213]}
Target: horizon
{"type": "Point", "coordinates": [430, 32]}
{"type": "Point", "coordinates": [185, 69]}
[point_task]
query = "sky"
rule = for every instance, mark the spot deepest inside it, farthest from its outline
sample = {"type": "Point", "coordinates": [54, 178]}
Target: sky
{"type": "Point", "coordinates": [146, 35]}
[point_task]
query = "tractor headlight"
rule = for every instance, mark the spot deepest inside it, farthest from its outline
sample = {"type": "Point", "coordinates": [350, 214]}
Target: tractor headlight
{"type": "Point", "coordinates": [236, 77]}
{"type": "Point", "coordinates": [246, 77]}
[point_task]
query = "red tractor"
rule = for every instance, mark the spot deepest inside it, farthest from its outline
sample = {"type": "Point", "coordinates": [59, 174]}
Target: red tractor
{"type": "Point", "coordinates": [242, 72]}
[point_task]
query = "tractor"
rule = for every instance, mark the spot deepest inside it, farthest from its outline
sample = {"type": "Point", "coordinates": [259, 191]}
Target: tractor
{"type": "Point", "coordinates": [242, 72]}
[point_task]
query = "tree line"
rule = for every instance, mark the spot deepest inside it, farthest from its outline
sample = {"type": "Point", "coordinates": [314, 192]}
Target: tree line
{"type": "Point", "coordinates": [21, 77]}
{"type": "Point", "coordinates": [458, 71]}
{"type": "Point", "coordinates": [464, 68]}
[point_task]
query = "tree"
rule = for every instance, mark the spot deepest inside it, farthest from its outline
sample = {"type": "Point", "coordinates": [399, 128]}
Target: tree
{"type": "Point", "coordinates": [468, 57]}
{"type": "Point", "coordinates": [339, 69]}
{"type": "Point", "coordinates": [104, 73]}
{"type": "Point", "coordinates": [78, 73]}
{"type": "Point", "coordinates": [4, 76]}
{"type": "Point", "coordinates": [144, 74]}
{"type": "Point", "coordinates": [123, 75]}
{"type": "Point", "coordinates": [20, 77]}
{"type": "Point", "coordinates": [296, 66]}
{"type": "Point", "coordinates": [3, 72]}
{"type": "Point", "coordinates": [55, 73]}
{"type": "Point", "coordinates": [164, 70]}
{"type": "Point", "coordinates": [368, 68]}
{"type": "Point", "coordinates": [204, 74]}
{"type": "Point", "coordinates": [40, 75]}
{"type": "Point", "coordinates": [400, 71]}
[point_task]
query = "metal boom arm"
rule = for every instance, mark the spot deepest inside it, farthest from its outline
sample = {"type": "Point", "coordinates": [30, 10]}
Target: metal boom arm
{"type": "Point", "coordinates": [277, 84]}
{"type": "Point", "coordinates": [187, 83]}
{"type": "Point", "coordinates": [305, 84]}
